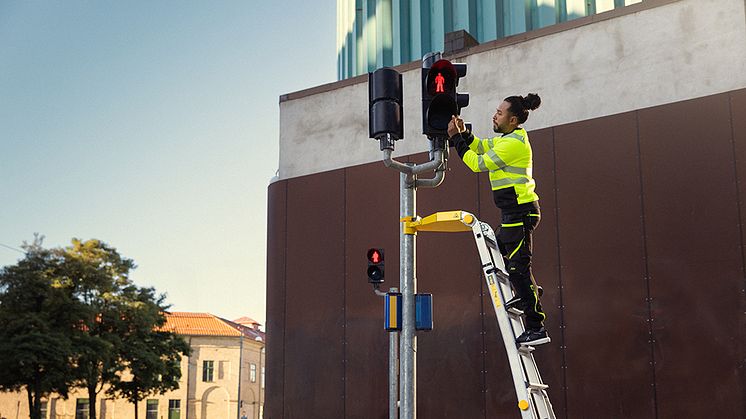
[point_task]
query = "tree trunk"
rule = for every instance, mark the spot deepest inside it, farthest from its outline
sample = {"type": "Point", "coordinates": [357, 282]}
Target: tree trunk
{"type": "Point", "coordinates": [34, 397]}
{"type": "Point", "coordinates": [92, 401]}
{"type": "Point", "coordinates": [135, 409]}
{"type": "Point", "coordinates": [37, 400]}
{"type": "Point", "coordinates": [30, 403]}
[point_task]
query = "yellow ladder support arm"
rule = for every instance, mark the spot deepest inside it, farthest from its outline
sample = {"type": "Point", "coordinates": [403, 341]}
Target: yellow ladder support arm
{"type": "Point", "coordinates": [443, 222]}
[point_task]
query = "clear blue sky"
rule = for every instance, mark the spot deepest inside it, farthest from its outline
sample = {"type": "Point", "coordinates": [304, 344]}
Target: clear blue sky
{"type": "Point", "coordinates": [153, 126]}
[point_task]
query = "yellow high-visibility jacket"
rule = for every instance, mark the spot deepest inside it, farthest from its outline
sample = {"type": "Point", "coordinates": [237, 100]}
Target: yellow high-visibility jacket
{"type": "Point", "coordinates": [508, 159]}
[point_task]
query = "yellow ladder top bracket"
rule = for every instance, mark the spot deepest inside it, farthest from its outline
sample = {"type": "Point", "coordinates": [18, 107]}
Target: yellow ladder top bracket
{"type": "Point", "coordinates": [443, 222]}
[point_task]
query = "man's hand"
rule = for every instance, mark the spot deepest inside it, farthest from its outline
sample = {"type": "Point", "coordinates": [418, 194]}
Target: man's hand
{"type": "Point", "coordinates": [455, 126]}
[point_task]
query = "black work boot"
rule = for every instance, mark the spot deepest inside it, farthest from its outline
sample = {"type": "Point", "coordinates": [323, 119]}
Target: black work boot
{"type": "Point", "coordinates": [533, 337]}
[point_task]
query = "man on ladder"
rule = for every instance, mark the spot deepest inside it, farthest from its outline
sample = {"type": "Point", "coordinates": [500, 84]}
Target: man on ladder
{"type": "Point", "coordinates": [508, 160]}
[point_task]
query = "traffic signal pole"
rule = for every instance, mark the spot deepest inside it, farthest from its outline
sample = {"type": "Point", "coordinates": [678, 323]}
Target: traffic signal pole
{"type": "Point", "coordinates": [409, 182]}
{"type": "Point", "coordinates": [386, 122]}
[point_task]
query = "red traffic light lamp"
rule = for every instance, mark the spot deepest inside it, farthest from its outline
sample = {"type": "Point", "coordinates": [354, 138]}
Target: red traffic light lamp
{"type": "Point", "coordinates": [375, 266]}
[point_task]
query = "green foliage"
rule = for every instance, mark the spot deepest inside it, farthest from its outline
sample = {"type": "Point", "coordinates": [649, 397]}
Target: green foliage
{"type": "Point", "coordinates": [151, 356]}
{"type": "Point", "coordinates": [71, 317]}
{"type": "Point", "coordinates": [38, 318]}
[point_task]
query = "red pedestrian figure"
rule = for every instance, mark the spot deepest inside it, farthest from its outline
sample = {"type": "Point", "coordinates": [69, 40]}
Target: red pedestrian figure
{"type": "Point", "coordinates": [439, 81]}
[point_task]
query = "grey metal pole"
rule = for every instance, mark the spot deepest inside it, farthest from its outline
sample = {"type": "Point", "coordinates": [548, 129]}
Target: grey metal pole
{"type": "Point", "coordinates": [393, 372]}
{"type": "Point", "coordinates": [408, 287]}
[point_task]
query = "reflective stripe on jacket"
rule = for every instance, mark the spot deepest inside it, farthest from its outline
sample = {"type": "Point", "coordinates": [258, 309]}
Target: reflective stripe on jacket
{"type": "Point", "coordinates": [508, 159]}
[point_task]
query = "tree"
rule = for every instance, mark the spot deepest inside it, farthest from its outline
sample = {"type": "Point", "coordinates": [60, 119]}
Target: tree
{"type": "Point", "coordinates": [153, 355]}
{"type": "Point", "coordinates": [71, 317]}
{"type": "Point", "coordinates": [98, 276]}
{"type": "Point", "coordinates": [37, 320]}
{"type": "Point", "coordinates": [122, 334]}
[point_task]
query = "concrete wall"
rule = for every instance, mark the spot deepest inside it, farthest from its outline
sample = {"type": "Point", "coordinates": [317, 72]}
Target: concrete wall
{"type": "Point", "coordinates": [625, 59]}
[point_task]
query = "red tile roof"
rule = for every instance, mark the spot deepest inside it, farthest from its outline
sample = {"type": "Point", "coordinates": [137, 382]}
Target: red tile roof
{"type": "Point", "coordinates": [198, 324]}
{"type": "Point", "coordinates": [246, 321]}
{"type": "Point", "coordinates": [206, 324]}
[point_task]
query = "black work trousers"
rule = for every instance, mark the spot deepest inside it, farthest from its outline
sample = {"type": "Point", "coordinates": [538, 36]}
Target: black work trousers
{"type": "Point", "coordinates": [514, 241]}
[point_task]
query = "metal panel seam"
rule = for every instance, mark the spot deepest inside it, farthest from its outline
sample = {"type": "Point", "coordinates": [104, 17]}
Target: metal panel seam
{"type": "Point", "coordinates": [559, 271]}
{"type": "Point", "coordinates": [482, 313]}
{"type": "Point", "coordinates": [285, 299]}
{"type": "Point", "coordinates": [344, 293]}
{"type": "Point", "coordinates": [742, 335]}
{"type": "Point", "coordinates": [647, 266]}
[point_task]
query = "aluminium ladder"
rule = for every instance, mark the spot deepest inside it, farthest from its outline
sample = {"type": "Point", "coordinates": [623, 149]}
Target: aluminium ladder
{"type": "Point", "coordinates": [533, 400]}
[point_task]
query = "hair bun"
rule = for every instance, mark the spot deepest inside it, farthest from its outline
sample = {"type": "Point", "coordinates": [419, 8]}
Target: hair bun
{"type": "Point", "coordinates": [531, 101]}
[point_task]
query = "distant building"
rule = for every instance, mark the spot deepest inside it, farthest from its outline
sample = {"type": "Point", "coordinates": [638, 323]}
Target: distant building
{"type": "Point", "coordinates": [223, 378]}
{"type": "Point", "coordinates": [373, 34]}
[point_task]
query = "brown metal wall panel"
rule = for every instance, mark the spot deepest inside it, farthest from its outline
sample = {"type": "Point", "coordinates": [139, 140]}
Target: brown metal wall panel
{"type": "Point", "coordinates": [449, 358]}
{"type": "Point", "coordinates": [314, 316]}
{"type": "Point", "coordinates": [694, 256]}
{"type": "Point", "coordinates": [276, 217]}
{"type": "Point", "coordinates": [737, 112]}
{"type": "Point", "coordinates": [327, 352]}
{"type": "Point", "coordinates": [603, 269]}
{"type": "Point", "coordinates": [372, 220]}
{"type": "Point", "coordinates": [545, 265]}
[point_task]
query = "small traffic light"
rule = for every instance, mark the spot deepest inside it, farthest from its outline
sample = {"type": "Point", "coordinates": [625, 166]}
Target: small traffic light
{"type": "Point", "coordinates": [375, 266]}
{"type": "Point", "coordinates": [440, 100]}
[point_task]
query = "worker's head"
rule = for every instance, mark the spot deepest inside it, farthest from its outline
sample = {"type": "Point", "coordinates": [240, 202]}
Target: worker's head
{"type": "Point", "coordinates": [513, 111]}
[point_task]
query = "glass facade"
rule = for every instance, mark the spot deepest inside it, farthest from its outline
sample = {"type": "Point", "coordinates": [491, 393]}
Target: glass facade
{"type": "Point", "coordinates": [377, 33]}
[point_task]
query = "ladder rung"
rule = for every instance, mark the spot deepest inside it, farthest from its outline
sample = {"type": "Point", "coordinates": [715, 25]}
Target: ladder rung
{"type": "Point", "coordinates": [537, 386]}
{"type": "Point", "coordinates": [525, 350]}
{"type": "Point", "coordinates": [515, 311]}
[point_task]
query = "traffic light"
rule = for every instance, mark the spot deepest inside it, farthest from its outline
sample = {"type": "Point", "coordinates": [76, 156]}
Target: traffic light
{"type": "Point", "coordinates": [385, 104]}
{"type": "Point", "coordinates": [375, 266]}
{"type": "Point", "coordinates": [440, 100]}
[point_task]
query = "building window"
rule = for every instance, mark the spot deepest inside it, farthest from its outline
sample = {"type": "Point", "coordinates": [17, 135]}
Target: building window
{"type": "Point", "coordinates": [151, 410]}
{"type": "Point", "coordinates": [174, 409]}
{"type": "Point", "coordinates": [262, 377]}
{"type": "Point", "coordinates": [208, 368]}
{"type": "Point", "coordinates": [44, 410]}
{"type": "Point", "coordinates": [82, 408]}
{"type": "Point", "coordinates": [252, 373]}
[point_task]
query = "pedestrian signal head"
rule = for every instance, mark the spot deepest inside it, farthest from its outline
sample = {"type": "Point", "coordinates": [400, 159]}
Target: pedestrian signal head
{"type": "Point", "coordinates": [375, 266]}
{"type": "Point", "coordinates": [440, 101]}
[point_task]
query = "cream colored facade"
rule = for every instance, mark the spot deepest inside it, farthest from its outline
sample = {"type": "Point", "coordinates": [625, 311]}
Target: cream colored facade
{"type": "Point", "coordinates": [231, 391]}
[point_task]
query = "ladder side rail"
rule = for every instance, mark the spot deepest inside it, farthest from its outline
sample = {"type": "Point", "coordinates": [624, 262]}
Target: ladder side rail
{"type": "Point", "coordinates": [504, 322]}
{"type": "Point", "coordinates": [539, 399]}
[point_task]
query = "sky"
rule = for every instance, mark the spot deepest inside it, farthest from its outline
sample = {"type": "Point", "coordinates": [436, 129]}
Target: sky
{"type": "Point", "coordinates": [154, 127]}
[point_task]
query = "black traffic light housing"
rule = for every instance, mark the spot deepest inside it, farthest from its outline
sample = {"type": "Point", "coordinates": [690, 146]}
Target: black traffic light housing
{"type": "Point", "coordinates": [375, 266]}
{"type": "Point", "coordinates": [440, 100]}
{"type": "Point", "coordinates": [385, 105]}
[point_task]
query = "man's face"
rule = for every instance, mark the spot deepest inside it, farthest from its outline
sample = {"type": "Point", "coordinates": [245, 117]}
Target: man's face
{"type": "Point", "coordinates": [503, 122]}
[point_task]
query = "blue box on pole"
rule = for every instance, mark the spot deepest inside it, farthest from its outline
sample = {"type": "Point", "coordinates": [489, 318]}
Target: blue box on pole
{"type": "Point", "coordinates": [423, 311]}
{"type": "Point", "coordinates": [392, 311]}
